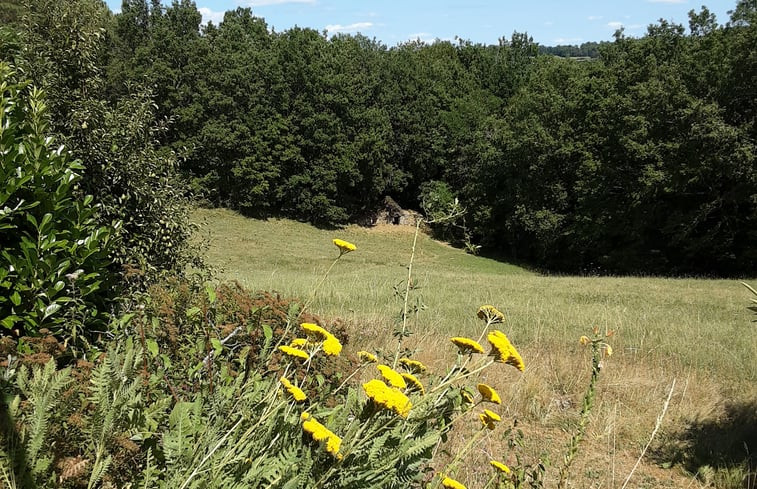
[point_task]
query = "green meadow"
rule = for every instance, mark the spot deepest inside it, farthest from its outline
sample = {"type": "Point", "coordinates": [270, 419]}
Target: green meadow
{"type": "Point", "coordinates": [697, 332]}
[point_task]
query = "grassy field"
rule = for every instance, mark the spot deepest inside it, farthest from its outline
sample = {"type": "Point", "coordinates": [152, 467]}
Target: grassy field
{"type": "Point", "coordinates": [697, 332]}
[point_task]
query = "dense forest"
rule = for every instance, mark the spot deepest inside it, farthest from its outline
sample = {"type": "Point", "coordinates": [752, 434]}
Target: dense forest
{"type": "Point", "coordinates": [640, 157]}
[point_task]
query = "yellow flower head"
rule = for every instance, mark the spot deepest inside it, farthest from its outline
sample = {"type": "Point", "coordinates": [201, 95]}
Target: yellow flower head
{"type": "Point", "coordinates": [320, 433]}
{"type": "Point", "coordinates": [452, 484]}
{"type": "Point", "coordinates": [388, 397]}
{"type": "Point", "coordinates": [293, 390]}
{"type": "Point", "coordinates": [367, 357]}
{"type": "Point", "coordinates": [503, 351]}
{"type": "Point", "coordinates": [413, 365]}
{"type": "Point", "coordinates": [467, 345]}
{"type": "Point", "coordinates": [344, 246]}
{"type": "Point", "coordinates": [489, 394]}
{"type": "Point", "coordinates": [500, 466]}
{"type": "Point", "coordinates": [332, 346]}
{"type": "Point", "coordinates": [488, 418]}
{"type": "Point", "coordinates": [608, 350]}
{"type": "Point", "coordinates": [466, 396]}
{"type": "Point", "coordinates": [490, 314]}
{"type": "Point", "coordinates": [413, 382]}
{"type": "Point", "coordinates": [315, 330]}
{"type": "Point", "coordinates": [584, 340]}
{"type": "Point", "coordinates": [294, 352]}
{"type": "Point", "coordinates": [391, 376]}
{"type": "Point", "coordinates": [299, 343]}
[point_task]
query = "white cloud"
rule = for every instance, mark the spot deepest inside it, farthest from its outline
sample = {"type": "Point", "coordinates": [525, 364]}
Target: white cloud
{"type": "Point", "coordinates": [357, 26]}
{"type": "Point", "coordinates": [263, 3]}
{"type": "Point", "coordinates": [549, 23]}
{"type": "Point", "coordinates": [667, 1]}
{"type": "Point", "coordinates": [615, 24]}
{"type": "Point", "coordinates": [567, 40]}
{"type": "Point", "coordinates": [210, 15]}
{"type": "Point", "coordinates": [594, 17]}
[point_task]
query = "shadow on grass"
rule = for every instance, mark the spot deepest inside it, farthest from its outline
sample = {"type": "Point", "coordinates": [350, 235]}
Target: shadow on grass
{"type": "Point", "coordinates": [727, 440]}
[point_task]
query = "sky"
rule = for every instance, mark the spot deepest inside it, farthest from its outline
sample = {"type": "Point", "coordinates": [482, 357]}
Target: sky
{"type": "Point", "coordinates": [549, 22]}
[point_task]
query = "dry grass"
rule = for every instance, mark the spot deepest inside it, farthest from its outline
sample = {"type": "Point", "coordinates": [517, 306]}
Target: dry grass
{"type": "Point", "coordinates": [696, 331]}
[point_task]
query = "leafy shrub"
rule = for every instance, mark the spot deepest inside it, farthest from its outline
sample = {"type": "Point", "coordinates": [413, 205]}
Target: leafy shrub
{"type": "Point", "coordinates": [53, 265]}
{"type": "Point", "coordinates": [132, 180]}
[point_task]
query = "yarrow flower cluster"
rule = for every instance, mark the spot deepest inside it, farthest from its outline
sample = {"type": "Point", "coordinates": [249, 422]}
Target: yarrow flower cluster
{"type": "Point", "coordinates": [489, 394]}
{"type": "Point", "coordinates": [490, 314]}
{"type": "Point", "coordinates": [413, 365]}
{"type": "Point", "coordinates": [394, 378]}
{"type": "Point", "coordinates": [500, 467]}
{"type": "Point", "coordinates": [293, 390]}
{"type": "Point", "coordinates": [367, 357]}
{"type": "Point", "coordinates": [488, 418]}
{"type": "Point", "coordinates": [344, 246]}
{"type": "Point", "coordinates": [294, 352]}
{"type": "Point", "coordinates": [467, 345]}
{"type": "Point", "coordinates": [452, 484]}
{"type": "Point", "coordinates": [413, 382]}
{"type": "Point", "coordinates": [388, 397]}
{"type": "Point", "coordinates": [320, 433]}
{"type": "Point", "coordinates": [330, 343]}
{"type": "Point", "coordinates": [503, 351]}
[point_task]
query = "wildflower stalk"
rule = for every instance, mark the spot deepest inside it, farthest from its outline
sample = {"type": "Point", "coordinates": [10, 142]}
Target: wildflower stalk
{"type": "Point", "coordinates": [461, 453]}
{"type": "Point", "coordinates": [407, 294]}
{"type": "Point", "coordinates": [588, 404]}
{"type": "Point", "coordinates": [318, 285]}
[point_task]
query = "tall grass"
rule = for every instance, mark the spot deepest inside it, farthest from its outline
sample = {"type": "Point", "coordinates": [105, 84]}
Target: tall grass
{"type": "Point", "coordinates": [695, 330]}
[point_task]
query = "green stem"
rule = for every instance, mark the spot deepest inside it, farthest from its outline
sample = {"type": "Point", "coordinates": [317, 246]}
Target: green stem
{"type": "Point", "coordinates": [407, 294]}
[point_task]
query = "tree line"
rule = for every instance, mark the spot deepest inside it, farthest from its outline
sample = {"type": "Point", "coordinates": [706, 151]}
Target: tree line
{"type": "Point", "coordinates": [638, 160]}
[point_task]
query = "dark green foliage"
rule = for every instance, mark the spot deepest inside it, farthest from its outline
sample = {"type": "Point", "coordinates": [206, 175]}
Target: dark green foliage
{"type": "Point", "coordinates": [54, 260]}
{"type": "Point", "coordinates": [639, 160]}
{"type": "Point", "coordinates": [133, 180]}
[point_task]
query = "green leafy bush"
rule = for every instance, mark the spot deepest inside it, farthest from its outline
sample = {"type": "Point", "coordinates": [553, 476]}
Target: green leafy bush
{"type": "Point", "coordinates": [53, 264]}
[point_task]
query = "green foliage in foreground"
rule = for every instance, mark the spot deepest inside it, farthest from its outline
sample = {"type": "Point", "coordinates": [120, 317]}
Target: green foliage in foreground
{"type": "Point", "coordinates": [237, 425]}
{"type": "Point", "coordinates": [54, 259]}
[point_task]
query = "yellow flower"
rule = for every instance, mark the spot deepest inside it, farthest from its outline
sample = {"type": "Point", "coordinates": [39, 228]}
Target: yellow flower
{"type": "Point", "coordinates": [500, 466]}
{"type": "Point", "coordinates": [413, 365]}
{"type": "Point", "coordinates": [391, 376]}
{"type": "Point", "coordinates": [489, 394]}
{"type": "Point", "coordinates": [488, 418]}
{"type": "Point", "coordinates": [344, 246]}
{"type": "Point", "coordinates": [452, 484]}
{"type": "Point", "coordinates": [367, 357]}
{"type": "Point", "coordinates": [299, 343]}
{"type": "Point", "coordinates": [294, 352]}
{"type": "Point", "coordinates": [295, 391]}
{"type": "Point", "coordinates": [584, 340]}
{"type": "Point", "coordinates": [503, 351]}
{"type": "Point", "coordinates": [388, 397]}
{"type": "Point", "coordinates": [466, 396]}
{"type": "Point", "coordinates": [608, 350]}
{"type": "Point", "coordinates": [331, 345]}
{"type": "Point", "coordinates": [490, 314]}
{"type": "Point", "coordinates": [320, 433]}
{"type": "Point", "coordinates": [467, 345]}
{"type": "Point", "coordinates": [413, 382]}
{"type": "Point", "coordinates": [316, 330]}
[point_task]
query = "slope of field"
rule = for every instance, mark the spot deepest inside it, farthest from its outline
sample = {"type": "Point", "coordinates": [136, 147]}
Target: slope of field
{"type": "Point", "coordinates": [697, 332]}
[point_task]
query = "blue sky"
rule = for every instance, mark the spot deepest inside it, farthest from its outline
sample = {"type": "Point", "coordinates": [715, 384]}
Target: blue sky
{"type": "Point", "coordinates": [549, 22]}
